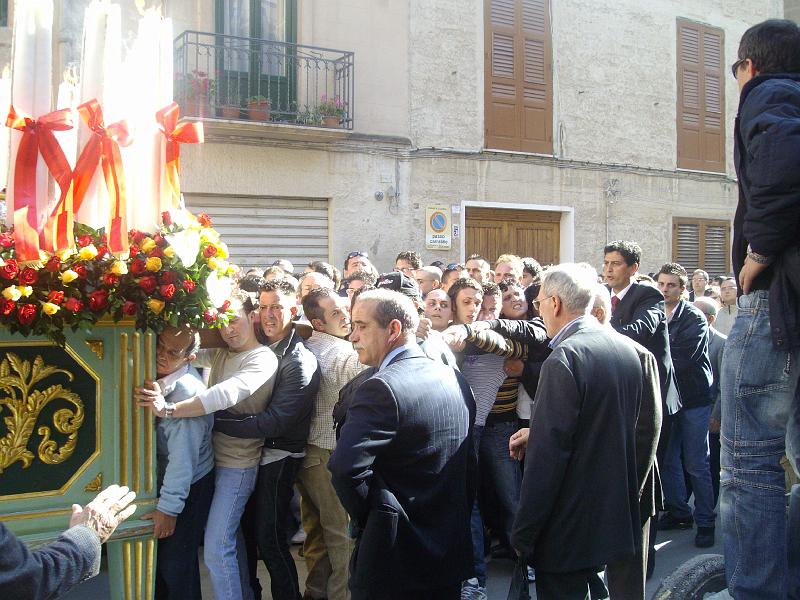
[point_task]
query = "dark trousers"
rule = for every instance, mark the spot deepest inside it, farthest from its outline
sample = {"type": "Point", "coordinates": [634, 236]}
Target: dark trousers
{"type": "Point", "coordinates": [177, 566]}
{"type": "Point", "coordinates": [564, 586]}
{"type": "Point", "coordinates": [264, 527]}
{"type": "Point", "coordinates": [626, 578]}
{"type": "Point", "coordinates": [713, 462]}
{"type": "Point", "coordinates": [452, 592]}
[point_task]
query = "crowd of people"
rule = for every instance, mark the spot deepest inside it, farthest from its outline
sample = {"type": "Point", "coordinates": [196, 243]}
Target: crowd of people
{"type": "Point", "coordinates": [438, 415]}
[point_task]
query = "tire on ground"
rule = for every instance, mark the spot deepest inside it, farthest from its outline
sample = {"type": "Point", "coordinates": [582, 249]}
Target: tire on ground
{"type": "Point", "coordinates": [700, 575]}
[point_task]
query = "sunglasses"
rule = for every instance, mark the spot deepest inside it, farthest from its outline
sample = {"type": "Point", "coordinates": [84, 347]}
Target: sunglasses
{"type": "Point", "coordinates": [454, 267]}
{"type": "Point", "coordinates": [735, 66]}
{"type": "Point", "coordinates": [355, 253]}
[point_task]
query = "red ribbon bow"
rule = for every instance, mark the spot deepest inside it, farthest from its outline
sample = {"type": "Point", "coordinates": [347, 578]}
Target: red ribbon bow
{"type": "Point", "coordinates": [103, 147]}
{"type": "Point", "coordinates": [176, 134]}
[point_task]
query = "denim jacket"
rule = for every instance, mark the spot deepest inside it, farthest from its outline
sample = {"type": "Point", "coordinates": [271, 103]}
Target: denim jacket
{"type": "Point", "coordinates": [183, 447]}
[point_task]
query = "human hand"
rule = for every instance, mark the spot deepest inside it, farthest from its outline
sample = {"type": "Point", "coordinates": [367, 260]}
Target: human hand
{"type": "Point", "coordinates": [513, 367]}
{"type": "Point", "coordinates": [103, 514]}
{"type": "Point", "coordinates": [150, 396]}
{"type": "Point", "coordinates": [714, 425]}
{"type": "Point", "coordinates": [455, 336]}
{"type": "Point", "coordinates": [163, 524]}
{"type": "Point", "coordinates": [425, 328]}
{"type": "Point", "coordinates": [518, 443]}
{"type": "Point", "coordinates": [750, 270]}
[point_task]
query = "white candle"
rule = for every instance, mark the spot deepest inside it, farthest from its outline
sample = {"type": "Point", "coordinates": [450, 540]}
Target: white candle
{"type": "Point", "coordinates": [31, 89]}
{"type": "Point", "coordinates": [5, 132]}
{"type": "Point", "coordinates": [100, 79]}
{"type": "Point", "coordinates": [68, 98]}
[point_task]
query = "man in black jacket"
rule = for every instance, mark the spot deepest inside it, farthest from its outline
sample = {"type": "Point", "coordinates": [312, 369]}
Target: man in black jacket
{"type": "Point", "coordinates": [284, 424]}
{"type": "Point", "coordinates": [760, 418]}
{"type": "Point", "coordinates": [688, 442]}
{"type": "Point", "coordinates": [403, 467]}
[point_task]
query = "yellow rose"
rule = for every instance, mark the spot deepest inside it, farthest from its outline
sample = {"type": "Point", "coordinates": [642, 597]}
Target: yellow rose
{"type": "Point", "coordinates": [232, 269]}
{"type": "Point", "coordinates": [119, 268]}
{"type": "Point", "coordinates": [169, 251]}
{"type": "Point", "coordinates": [69, 275]}
{"type": "Point", "coordinates": [49, 308]}
{"type": "Point", "coordinates": [155, 305]}
{"type": "Point", "coordinates": [87, 252]}
{"type": "Point", "coordinates": [12, 293]}
{"type": "Point", "coordinates": [213, 263]}
{"type": "Point", "coordinates": [64, 254]}
{"type": "Point", "coordinates": [208, 235]}
{"type": "Point", "coordinates": [153, 263]}
{"type": "Point", "coordinates": [222, 250]}
{"type": "Point", "coordinates": [25, 290]}
{"type": "Point", "coordinates": [147, 245]}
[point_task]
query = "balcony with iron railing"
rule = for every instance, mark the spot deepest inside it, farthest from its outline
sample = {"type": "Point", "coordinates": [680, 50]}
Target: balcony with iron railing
{"type": "Point", "coordinates": [246, 79]}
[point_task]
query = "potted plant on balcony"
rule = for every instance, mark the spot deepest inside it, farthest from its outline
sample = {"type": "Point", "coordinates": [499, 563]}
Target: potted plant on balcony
{"type": "Point", "coordinates": [229, 110]}
{"type": "Point", "coordinates": [194, 90]}
{"type": "Point", "coordinates": [258, 108]}
{"type": "Point", "coordinates": [332, 111]}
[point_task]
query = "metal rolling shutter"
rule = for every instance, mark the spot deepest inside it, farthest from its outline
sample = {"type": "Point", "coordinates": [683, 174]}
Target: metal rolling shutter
{"type": "Point", "coordinates": [261, 230]}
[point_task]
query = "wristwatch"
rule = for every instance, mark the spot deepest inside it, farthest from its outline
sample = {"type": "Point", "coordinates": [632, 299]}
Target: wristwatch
{"type": "Point", "coordinates": [759, 258]}
{"type": "Point", "coordinates": [169, 408]}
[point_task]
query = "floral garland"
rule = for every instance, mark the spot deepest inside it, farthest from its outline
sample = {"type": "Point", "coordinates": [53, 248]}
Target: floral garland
{"type": "Point", "coordinates": [178, 275]}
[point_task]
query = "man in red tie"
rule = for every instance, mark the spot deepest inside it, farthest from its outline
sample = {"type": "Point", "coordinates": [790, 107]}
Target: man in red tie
{"type": "Point", "coordinates": [637, 311]}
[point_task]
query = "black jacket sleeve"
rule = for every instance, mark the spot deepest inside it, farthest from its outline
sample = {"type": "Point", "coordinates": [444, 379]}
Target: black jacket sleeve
{"type": "Point", "coordinates": [49, 571]}
{"type": "Point", "coordinates": [647, 316]}
{"type": "Point", "coordinates": [527, 332]}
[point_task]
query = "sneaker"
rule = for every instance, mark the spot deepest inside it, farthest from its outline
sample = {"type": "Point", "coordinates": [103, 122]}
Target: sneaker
{"type": "Point", "coordinates": [472, 590]}
{"type": "Point", "coordinates": [299, 537]}
{"type": "Point", "coordinates": [667, 521]}
{"type": "Point", "coordinates": [704, 537]}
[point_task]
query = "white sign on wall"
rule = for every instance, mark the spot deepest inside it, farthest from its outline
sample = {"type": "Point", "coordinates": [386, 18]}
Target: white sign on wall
{"type": "Point", "coordinates": [437, 227]}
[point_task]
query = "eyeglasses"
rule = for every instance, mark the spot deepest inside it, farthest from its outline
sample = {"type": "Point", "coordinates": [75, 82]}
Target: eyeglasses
{"type": "Point", "coordinates": [735, 67]}
{"type": "Point", "coordinates": [538, 303]}
{"type": "Point", "coordinates": [355, 253]}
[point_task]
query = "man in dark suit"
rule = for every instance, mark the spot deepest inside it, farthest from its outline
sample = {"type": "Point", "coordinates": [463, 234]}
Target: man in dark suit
{"type": "Point", "coordinates": [638, 312]}
{"type": "Point", "coordinates": [403, 467]}
{"type": "Point", "coordinates": [579, 506]}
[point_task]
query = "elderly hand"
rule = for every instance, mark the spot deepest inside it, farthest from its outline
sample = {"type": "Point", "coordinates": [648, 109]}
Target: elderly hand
{"type": "Point", "coordinates": [518, 443]}
{"type": "Point", "coordinates": [424, 329]}
{"type": "Point", "coordinates": [150, 396]}
{"type": "Point", "coordinates": [103, 514]}
{"type": "Point", "coordinates": [163, 524]}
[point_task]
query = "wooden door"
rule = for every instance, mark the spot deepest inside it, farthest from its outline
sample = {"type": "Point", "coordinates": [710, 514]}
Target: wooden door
{"type": "Point", "coordinates": [492, 232]}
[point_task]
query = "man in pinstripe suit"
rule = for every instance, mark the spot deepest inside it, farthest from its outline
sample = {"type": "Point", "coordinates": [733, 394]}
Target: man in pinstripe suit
{"type": "Point", "coordinates": [403, 466]}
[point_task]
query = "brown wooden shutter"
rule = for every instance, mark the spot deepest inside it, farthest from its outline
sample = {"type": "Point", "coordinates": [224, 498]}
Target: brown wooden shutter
{"type": "Point", "coordinates": [701, 244]}
{"type": "Point", "coordinates": [518, 76]}
{"type": "Point", "coordinates": [701, 97]}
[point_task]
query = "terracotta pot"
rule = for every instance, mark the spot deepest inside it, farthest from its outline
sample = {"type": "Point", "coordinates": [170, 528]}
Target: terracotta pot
{"type": "Point", "coordinates": [196, 107]}
{"type": "Point", "coordinates": [231, 112]}
{"type": "Point", "coordinates": [331, 121]}
{"type": "Point", "coordinates": [258, 111]}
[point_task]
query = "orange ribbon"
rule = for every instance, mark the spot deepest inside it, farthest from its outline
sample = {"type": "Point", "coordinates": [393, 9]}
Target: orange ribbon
{"type": "Point", "coordinates": [38, 138]}
{"type": "Point", "coordinates": [103, 147]}
{"type": "Point", "coordinates": [176, 134]}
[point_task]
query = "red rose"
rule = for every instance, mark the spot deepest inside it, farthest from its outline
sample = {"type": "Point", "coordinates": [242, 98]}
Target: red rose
{"type": "Point", "coordinates": [210, 316]}
{"type": "Point", "coordinates": [101, 252]}
{"type": "Point", "coordinates": [56, 297]}
{"type": "Point", "coordinates": [169, 277]}
{"type": "Point", "coordinates": [98, 300]}
{"type": "Point", "coordinates": [84, 240]}
{"type": "Point", "coordinates": [133, 250]}
{"type": "Point", "coordinates": [110, 279]}
{"type": "Point", "coordinates": [156, 252]}
{"type": "Point", "coordinates": [137, 267]}
{"type": "Point", "coordinates": [103, 238]}
{"type": "Point", "coordinates": [7, 307]}
{"type": "Point", "coordinates": [160, 240]}
{"type": "Point", "coordinates": [204, 219]}
{"type": "Point", "coordinates": [188, 286]}
{"type": "Point", "coordinates": [26, 313]}
{"type": "Point", "coordinates": [28, 276]}
{"type": "Point", "coordinates": [136, 236]}
{"type": "Point", "coordinates": [166, 218]}
{"type": "Point", "coordinates": [53, 264]}
{"type": "Point", "coordinates": [73, 305]}
{"type": "Point", "coordinates": [80, 270]}
{"type": "Point", "coordinates": [148, 284]}
{"type": "Point", "coordinates": [10, 269]}
{"type": "Point", "coordinates": [225, 306]}
{"type": "Point", "coordinates": [6, 240]}
{"type": "Point", "coordinates": [167, 291]}
{"type": "Point", "coordinates": [129, 308]}
{"type": "Point", "coordinates": [209, 251]}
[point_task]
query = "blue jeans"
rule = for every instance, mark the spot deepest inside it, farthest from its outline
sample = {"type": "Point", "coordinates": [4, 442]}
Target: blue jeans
{"type": "Point", "coordinates": [224, 551]}
{"type": "Point", "coordinates": [476, 522]}
{"type": "Point", "coordinates": [500, 475]}
{"type": "Point", "coordinates": [689, 438]}
{"type": "Point", "coordinates": [760, 422]}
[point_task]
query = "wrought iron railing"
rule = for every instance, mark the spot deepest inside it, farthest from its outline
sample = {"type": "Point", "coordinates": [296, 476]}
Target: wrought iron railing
{"type": "Point", "coordinates": [230, 77]}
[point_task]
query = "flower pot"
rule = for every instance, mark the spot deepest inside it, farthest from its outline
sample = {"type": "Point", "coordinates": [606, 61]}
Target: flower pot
{"type": "Point", "coordinates": [230, 112]}
{"type": "Point", "coordinates": [331, 121]}
{"type": "Point", "coordinates": [196, 107]}
{"type": "Point", "coordinates": [258, 111]}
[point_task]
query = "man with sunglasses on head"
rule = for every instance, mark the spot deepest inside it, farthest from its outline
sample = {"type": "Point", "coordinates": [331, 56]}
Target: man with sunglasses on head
{"type": "Point", "coordinates": [760, 415]}
{"type": "Point", "coordinates": [358, 261]}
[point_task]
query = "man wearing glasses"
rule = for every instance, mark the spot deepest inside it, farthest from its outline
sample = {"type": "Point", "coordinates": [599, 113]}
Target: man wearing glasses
{"type": "Point", "coordinates": [760, 415]}
{"type": "Point", "coordinates": [699, 284]}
